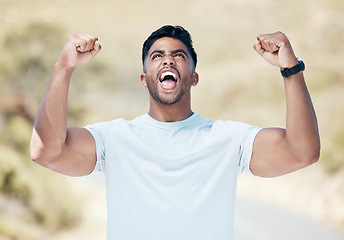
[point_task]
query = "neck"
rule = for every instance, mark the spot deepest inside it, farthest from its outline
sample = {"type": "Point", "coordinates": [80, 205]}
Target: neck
{"type": "Point", "coordinates": [169, 113]}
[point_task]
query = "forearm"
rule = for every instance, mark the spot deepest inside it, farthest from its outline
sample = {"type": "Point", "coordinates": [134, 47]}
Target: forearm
{"type": "Point", "coordinates": [50, 128]}
{"type": "Point", "coordinates": [302, 134]}
{"type": "Point", "coordinates": [280, 151]}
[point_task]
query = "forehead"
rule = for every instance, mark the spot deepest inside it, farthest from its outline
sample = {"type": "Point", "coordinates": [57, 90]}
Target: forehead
{"type": "Point", "coordinates": [167, 44]}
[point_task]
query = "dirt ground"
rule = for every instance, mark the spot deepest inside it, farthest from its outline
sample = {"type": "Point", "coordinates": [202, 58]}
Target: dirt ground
{"type": "Point", "coordinates": [93, 225]}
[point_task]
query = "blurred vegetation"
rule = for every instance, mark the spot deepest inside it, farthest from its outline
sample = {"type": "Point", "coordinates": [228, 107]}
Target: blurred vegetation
{"type": "Point", "coordinates": [39, 197]}
{"type": "Point", "coordinates": [234, 82]}
{"type": "Point", "coordinates": [334, 153]}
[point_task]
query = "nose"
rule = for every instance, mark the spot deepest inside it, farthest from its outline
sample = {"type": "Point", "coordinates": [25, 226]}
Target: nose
{"type": "Point", "coordinates": [168, 61]}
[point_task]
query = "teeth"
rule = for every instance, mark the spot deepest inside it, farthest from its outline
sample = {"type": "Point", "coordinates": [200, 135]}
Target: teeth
{"type": "Point", "coordinates": [167, 74]}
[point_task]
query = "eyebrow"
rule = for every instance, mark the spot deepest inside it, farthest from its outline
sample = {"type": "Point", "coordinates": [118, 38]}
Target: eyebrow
{"type": "Point", "coordinates": [180, 51]}
{"type": "Point", "coordinates": [173, 52]}
{"type": "Point", "coordinates": [156, 51]}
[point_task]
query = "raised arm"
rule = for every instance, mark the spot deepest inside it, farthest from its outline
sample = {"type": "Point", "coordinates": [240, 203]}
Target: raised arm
{"type": "Point", "coordinates": [70, 151]}
{"type": "Point", "coordinates": [279, 151]}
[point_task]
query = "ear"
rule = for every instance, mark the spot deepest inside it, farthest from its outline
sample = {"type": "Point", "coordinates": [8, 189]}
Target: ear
{"type": "Point", "coordinates": [143, 79]}
{"type": "Point", "coordinates": [195, 79]}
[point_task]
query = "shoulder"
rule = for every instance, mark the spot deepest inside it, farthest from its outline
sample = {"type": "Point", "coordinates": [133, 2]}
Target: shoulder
{"type": "Point", "coordinates": [239, 131]}
{"type": "Point", "coordinates": [232, 125]}
{"type": "Point", "coordinates": [225, 126]}
{"type": "Point", "coordinates": [105, 125]}
{"type": "Point", "coordinates": [118, 125]}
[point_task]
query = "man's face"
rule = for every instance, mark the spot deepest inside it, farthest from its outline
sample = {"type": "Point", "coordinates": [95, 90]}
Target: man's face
{"type": "Point", "coordinates": [168, 71]}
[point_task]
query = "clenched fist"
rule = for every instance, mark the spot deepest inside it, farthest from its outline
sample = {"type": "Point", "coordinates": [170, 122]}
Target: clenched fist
{"type": "Point", "coordinates": [276, 49]}
{"type": "Point", "coordinates": [79, 49]}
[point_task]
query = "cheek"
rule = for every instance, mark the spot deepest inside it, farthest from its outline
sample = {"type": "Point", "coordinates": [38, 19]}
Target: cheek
{"type": "Point", "coordinates": [151, 71]}
{"type": "Point", "coordinates": [150, 77]}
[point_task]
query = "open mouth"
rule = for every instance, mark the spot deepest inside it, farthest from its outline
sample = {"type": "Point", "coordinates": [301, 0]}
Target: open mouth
{"type": "Point", "coordinates": [168, 76]}
{"type": "Point", "coordinates": [168, 80]}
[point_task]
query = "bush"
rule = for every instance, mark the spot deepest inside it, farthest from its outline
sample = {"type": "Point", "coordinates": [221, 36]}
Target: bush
{"type": "Point", "coordinates": [30, 196]}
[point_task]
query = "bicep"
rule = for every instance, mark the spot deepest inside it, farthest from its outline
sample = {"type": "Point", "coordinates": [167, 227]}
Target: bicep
{"type": "Point", "coordinates": [271, 155]}
{"type": "Point", "coordinates": [78, 156]}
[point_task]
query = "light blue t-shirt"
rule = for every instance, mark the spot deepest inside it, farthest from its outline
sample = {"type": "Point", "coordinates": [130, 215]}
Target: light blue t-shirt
{"type": "Point", "coordinates": [172, 180]}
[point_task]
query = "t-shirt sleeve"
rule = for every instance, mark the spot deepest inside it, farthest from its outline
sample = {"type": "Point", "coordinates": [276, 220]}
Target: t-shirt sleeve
{"type": "Point", "coordinates": [100, 132]}
{"type": "Point", "coordinates": [244, 135]}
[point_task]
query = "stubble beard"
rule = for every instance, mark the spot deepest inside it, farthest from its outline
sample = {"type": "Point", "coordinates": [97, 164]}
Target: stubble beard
{"type": "Point", "coordinates": [169, 98]}
{"type": "Point", "coordinates": [166, 100]}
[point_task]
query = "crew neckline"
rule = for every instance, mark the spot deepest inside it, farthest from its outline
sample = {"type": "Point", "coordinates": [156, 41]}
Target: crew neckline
{"type": "Point", "coordinates": [153, 121]}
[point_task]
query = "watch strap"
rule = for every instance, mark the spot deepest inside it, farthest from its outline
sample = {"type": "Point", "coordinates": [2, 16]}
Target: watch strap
{"type": "Point", "coordinates": [287, 72]}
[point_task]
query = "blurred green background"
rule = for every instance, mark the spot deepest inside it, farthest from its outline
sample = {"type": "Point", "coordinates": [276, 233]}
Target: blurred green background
{"type": "Point", "coordinates": [235, 83]}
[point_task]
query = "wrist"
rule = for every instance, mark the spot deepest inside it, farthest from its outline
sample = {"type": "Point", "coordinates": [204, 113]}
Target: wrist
{"type": "Point", "coordinates": [287, 72]}
{"type": "Point", "coordinates": [63, 68]}
{"type": "Point", "coordinates": [61, 72]}
{"type": "Point", "coordinates": [292, 63]}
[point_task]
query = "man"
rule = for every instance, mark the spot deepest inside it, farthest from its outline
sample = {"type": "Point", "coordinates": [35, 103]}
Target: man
{"type": "Point", "coordinates": [170, 173]}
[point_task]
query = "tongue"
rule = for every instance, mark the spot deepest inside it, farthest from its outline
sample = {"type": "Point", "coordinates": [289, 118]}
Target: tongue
{"type": "Point", "coordinates": [168, 84]}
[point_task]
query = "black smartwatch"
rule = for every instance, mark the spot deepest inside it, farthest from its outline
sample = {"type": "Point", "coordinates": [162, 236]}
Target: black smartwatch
{"type": "Point", "coordinates": [287, 72]}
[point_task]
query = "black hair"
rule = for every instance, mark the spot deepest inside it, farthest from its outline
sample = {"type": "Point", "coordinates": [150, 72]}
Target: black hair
{"type": "Point", "coordinates": [176, 32]}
